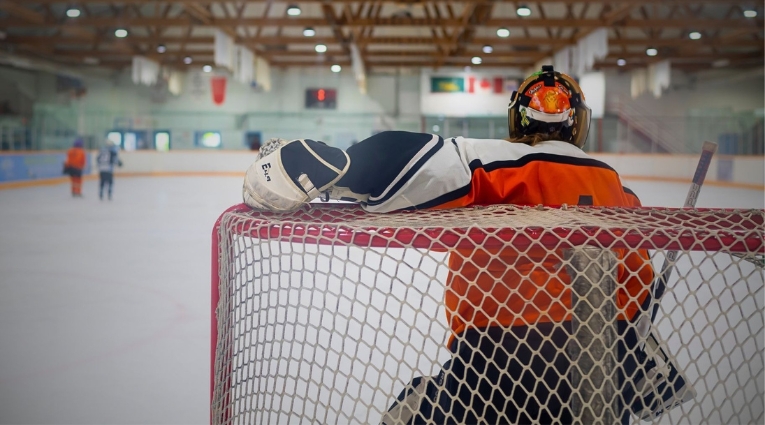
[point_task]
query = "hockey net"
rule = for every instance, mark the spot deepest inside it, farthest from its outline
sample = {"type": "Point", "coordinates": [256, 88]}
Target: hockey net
{"type": "Point", "coordinates": [329, 314]}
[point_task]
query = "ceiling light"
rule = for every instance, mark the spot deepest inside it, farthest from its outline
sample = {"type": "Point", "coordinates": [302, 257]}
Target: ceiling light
{"type": "Point", "coordinates": [309, 32]}
{"type": "Point", "coordinates": [476, 60]}
{"type": "Point", "coordinates": [293, 10]}
{"type": "Point", "coordinates": [503, 32]}
{"type": "Point", "coordinates": [207, 68]}
{"type": "Point", "coordinates": [73, 12]}
{"type": "Point", "coordinates": [91, 60]}
{"type": "Point", "coordinates": [750, 13]}
{"type": "Point", "coordinates": [487, 49]}
{"type": "Point", "coordinates": [719, 63]}
{"type": "Point", "coordinates": [121, 33]}
{"type": "Point", "coordinates": [695, 35]}
{"type": "Point", "coordinates": [621, 62]}
{"type": "Point", "coordinates": [161, 48]}
{"type": "Point", "coordinates": [336, 68]}
{"type": "Point", "coordinates": [187, 60]}
{"type": "Point", "coordinates": [523, 10]}
{"type": "Point", "coordinates": [321, 48]}
{"type": "Point", "coordinates": [651, 51]}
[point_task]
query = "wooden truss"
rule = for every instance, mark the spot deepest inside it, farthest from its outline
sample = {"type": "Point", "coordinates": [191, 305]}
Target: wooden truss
{"type": "Point", "coordinates": [389, 34]}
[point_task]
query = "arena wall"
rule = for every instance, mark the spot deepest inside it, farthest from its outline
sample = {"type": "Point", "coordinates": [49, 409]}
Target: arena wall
{"type": "Point", "coordinates": [45, 168]}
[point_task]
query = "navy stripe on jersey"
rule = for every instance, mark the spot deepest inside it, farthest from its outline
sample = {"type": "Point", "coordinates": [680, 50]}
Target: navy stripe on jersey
{"type": "Point", "coordinates": [446, 197]}
{"type": "Point", "coordinates": [629, 191]}
{"type": "Point", "coordinates": [526, 159]}
{"type": "Point", "coordinates": [546, 157]}
{"type": "Point", "coordinates": [393, 189]}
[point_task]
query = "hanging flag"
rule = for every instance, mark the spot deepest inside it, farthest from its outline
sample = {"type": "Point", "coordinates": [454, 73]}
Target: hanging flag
{"type": "Point", "coordinates": [244, 65]}
{"type": "Point", "coordinates": [358, 69]}
{"type": "Point", "coordinates": [447, 84]}
{"type": "Point", "coordinates": [175, 83]}
{"type": "Point", "coordinates": [262, 74]}
{"type": "Point", "coordinates": [224, 50]}
{"type": "Point", "coordinates": [218, 85]}
{"type": "Point", "coordinates": [145, 71]}
{"type": "Point", "coordinates": [479, 85]}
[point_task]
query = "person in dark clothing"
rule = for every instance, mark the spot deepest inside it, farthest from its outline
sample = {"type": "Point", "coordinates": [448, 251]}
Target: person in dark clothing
{"type": "Point", "coordinates": [107, 158]}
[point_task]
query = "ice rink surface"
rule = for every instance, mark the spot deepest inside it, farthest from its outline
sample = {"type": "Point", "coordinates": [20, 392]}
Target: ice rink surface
{"type": "Point", "coordinates": [105, 306]}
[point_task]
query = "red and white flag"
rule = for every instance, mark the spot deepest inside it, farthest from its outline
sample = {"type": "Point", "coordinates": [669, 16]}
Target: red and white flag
{"type": "Point", "coordinates": [485, 85]}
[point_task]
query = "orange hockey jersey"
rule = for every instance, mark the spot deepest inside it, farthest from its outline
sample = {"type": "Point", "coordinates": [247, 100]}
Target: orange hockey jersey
{"type": "Point", "coordinates": [75, 158]}
{"type": "Point", "coordinates": [504, 288]}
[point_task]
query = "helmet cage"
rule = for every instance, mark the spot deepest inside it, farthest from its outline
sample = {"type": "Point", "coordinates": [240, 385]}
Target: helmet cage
{"type": "Point", "coordinates": [574, 125]}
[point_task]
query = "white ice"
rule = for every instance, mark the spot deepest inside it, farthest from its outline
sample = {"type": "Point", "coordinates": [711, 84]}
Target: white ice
{"type": "Point", "coordinates": [105, 306]}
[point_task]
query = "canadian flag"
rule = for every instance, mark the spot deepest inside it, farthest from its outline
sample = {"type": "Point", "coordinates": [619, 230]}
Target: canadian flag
{"type": "Point", "coordinates": [494, 85]}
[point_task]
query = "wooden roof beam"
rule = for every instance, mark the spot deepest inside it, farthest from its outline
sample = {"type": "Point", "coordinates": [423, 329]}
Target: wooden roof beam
{"type": "Point", "coordinates": [609, 15]}
{"type": "Point", "coordinates": [432, 54]}
{"type": "Point", "coordinates": [115, 50]}
{"type": "Point", "coordinates": [478, 15]}
{"type": "Point", "coordinates": [684, 57]}
{"type": "Point", "coordinates": [141, 2]}
{"type": "Point", "coordinates": [732, 23]}
{"type": "Point", "coordinates": [15, 9]}
{"type": "Point", "coordinates": [199, 12]}
{"type": "Point", "coordinates": [334, 23]}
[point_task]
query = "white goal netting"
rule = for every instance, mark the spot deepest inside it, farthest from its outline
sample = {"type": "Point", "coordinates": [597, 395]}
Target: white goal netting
{"type": "Point", "coordinates": [509, 314]}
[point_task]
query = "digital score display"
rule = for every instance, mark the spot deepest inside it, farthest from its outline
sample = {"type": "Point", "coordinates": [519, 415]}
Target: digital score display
{"type": "Point", "coordinates": [321, 98]}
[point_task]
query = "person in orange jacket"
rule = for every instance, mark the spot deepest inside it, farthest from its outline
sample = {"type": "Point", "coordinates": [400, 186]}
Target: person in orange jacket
{"type": "Point", "coordinates": [75, 163]}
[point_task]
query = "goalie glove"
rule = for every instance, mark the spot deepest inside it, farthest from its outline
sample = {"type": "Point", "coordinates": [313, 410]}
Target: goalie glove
{"type": "Point", "coordinates": [288, 174]}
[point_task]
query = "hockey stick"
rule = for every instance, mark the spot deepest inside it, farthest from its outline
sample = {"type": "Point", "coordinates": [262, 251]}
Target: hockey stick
{"type": "Point", "coordinates": [660, 284]}
{"type": "Point", "coordinates": [757, 260]}
{"type": "Point", "coordinates": [665, 386]}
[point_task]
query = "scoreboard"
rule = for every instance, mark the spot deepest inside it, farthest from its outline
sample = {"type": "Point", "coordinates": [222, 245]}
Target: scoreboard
{"type": "Point", "coordinates": [321, 98]}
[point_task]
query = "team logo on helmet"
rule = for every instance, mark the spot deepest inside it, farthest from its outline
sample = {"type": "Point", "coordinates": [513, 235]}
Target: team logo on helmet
{"type": "Point", "coordinates": [549, 100]}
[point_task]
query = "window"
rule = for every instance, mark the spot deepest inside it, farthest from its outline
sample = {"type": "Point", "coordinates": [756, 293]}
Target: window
{"type": "Point", "coordinates": [207, 139]}
{"type": "Point", "coordinates": [252, 139]}
{"type": "Point", "coordinates": [130, 141]}
{"type": "Point", "coordinates": [162, 141]}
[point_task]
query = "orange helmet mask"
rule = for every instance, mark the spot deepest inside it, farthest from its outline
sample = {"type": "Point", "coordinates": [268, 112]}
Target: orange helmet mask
{"type": "Point", "coordinates": [546, 102]}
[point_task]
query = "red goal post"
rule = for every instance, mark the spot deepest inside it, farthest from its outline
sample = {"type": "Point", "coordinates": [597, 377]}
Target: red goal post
{"type": "Point", "coordinates": [249, 244]}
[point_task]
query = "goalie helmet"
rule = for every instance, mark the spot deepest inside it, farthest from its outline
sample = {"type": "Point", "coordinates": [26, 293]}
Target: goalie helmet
{"type": "Point", "coordinates": [546, 102]}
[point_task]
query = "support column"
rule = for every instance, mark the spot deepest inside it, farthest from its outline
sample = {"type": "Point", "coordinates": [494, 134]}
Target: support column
{"type": "Point", "coordinates": [592, 347]}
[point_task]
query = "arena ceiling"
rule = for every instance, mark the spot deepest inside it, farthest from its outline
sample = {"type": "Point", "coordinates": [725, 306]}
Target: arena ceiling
{"type": "Point", "coordinates": [694, 34]}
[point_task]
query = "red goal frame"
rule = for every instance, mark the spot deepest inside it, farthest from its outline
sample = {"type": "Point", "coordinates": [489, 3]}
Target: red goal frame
{"type": "Point", "coordinates": [689, 229]}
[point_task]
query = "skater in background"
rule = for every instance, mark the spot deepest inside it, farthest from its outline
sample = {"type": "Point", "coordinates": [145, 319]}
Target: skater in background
{"type": "Point", "coordinates": [75, 163]}
{"type": "Point", "coordinates": [107, 158]}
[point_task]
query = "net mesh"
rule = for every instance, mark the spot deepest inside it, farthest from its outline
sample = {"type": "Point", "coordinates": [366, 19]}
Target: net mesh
{"type": "Point", "coordinates": [484, 315]}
